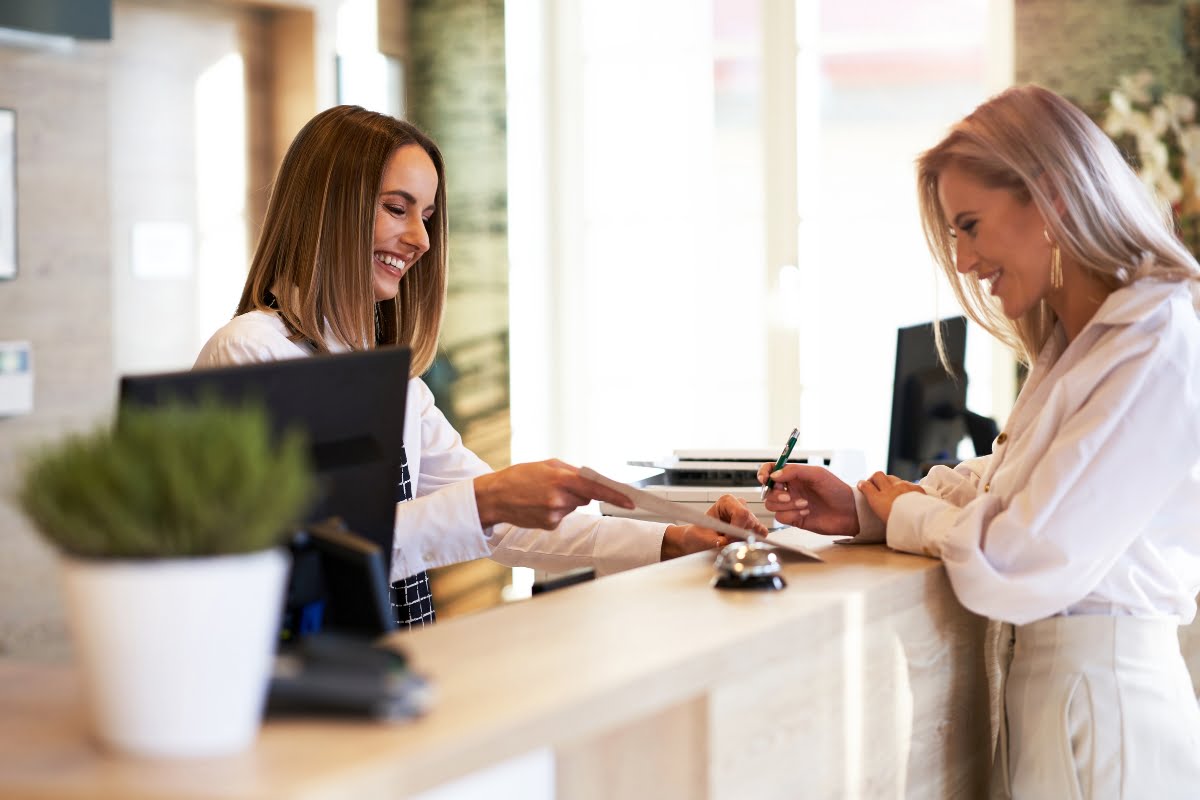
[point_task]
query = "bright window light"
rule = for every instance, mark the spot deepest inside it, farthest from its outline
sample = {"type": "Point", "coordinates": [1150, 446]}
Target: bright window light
{"type": "Point", "coordinates": [366, 77]}
{"type": "Point", "coordinates": [220, 193]}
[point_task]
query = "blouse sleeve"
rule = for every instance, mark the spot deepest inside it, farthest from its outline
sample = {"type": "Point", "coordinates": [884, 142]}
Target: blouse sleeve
{"type": "Point", "coordinates": [441, 526]}
{"type": "Point", "coordinates": [607, 544]}
{"type": "Point", "coordinates": [250, 338]}
{"type": "Point", "coordinates": [957, 486]}
{"type": "Point", "coordinates": [1107, 470]}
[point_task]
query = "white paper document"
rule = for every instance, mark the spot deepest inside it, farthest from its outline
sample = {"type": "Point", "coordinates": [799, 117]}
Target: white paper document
{"type": "Point", "coordinates": [682, 513]}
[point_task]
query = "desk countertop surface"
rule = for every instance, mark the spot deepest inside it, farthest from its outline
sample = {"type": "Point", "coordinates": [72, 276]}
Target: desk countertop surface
{"type": "Point", "coordinates": [508, 680]}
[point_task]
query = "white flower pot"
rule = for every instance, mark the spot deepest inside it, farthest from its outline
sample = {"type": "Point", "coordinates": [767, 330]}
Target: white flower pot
{"type": "Point", "coordinates": [176, 654]}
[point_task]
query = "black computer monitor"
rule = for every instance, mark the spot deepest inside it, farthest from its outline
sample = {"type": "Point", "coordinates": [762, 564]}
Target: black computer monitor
{"type": "Point", "coordinates": [350, 406]}
{"type": "Point", "coordinates": [929, 403]}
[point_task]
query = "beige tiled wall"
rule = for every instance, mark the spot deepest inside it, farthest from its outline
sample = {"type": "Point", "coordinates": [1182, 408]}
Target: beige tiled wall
{"type": "Point", "coordinates": [60, 300]}
{"type": "Point", "coordinates": [105, 138]}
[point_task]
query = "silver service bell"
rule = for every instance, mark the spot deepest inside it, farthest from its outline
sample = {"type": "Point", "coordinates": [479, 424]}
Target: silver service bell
{"type": "Point", "coordinates": [751, 564]}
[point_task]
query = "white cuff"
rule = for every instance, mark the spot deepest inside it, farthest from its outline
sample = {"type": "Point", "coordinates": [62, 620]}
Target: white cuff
{"type": "Point", "coordinates": [911, 523]}
{"type": "Point", "coordinates": [623, 543]}
{"type": "Point", "coordinates": [871, 529]}
{"type": "Point", "coordinates": [438, 529]}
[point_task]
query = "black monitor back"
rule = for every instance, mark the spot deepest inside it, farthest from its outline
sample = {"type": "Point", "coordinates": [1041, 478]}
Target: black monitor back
{"type": "Point", "coordinates": [928, 404]}
{"type": "Point", "coordinates": [351, 407]}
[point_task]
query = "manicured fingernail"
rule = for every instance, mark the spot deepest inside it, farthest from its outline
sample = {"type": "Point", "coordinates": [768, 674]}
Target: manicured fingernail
{"type": "Point", "coordinates": [783, 497]}
{"type": "Point", "coordinates": [801, 503]}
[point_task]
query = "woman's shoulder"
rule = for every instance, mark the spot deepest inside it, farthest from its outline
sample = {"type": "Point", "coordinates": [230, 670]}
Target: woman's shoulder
{"type": "Point", "coordinates": [1149, 314]}
{"type": "Point", "coordinates": [248, 338]}
{"type": "Point", "coordinates": [1171, 322]}
{"type": "Point", "coordinates": [421, 400]}
{"type": "Point", "coordinates": [1154, 332]}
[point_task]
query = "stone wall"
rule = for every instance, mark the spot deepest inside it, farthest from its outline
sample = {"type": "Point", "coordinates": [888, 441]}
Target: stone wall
{"type": "Point", "coordinates": [1080, 47]}
{"type": "Point", "coordinates": [456, 92]}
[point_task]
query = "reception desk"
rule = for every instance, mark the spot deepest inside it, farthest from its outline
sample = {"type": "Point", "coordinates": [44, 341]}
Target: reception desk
{"type": "Point", "coordinates": [862, 679]}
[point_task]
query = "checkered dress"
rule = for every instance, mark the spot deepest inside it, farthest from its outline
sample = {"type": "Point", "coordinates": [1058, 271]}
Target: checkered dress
{"type": "Point", "coordinates": [412, 600]}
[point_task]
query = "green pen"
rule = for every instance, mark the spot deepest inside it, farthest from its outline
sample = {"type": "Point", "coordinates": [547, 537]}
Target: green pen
{"type": "Point", "coordinates": [783, 457]}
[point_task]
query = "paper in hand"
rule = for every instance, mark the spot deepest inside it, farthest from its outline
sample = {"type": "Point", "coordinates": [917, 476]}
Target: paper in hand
{"type": "Point", "coordinates": [648, 501]}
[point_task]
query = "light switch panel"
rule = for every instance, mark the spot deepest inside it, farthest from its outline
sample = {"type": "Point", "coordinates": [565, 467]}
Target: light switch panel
{"type": "Point", "coordinates": [16, 378]}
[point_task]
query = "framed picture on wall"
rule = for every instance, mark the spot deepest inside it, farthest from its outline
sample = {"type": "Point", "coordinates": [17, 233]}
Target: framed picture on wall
{"type": "Point", "coordinates": [8, 194]}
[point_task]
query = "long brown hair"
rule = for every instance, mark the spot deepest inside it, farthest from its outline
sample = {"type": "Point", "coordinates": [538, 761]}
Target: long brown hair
{"type": "Point", "coordinates": [316, 244]}
{"type": "Point", "coordinates": [1041, 148]}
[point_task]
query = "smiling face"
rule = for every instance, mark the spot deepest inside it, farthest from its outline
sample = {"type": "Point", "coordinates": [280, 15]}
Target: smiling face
{"type": "Point", "coordinates": [406, 203]}
{"type": "Point", "coordinates": [999, 239]}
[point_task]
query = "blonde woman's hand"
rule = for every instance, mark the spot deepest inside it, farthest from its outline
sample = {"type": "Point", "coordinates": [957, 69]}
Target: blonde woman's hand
{"type": "Point", "coordinates": [812, 498]}
{"type": "Point", "coordinates": [881, 491]}
{"type": "Point", "coordinates": [538, 494]}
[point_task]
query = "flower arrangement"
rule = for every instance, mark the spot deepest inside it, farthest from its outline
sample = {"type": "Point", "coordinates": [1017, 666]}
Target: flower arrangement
{"type": "Point", "coordinates": [1165, 138]}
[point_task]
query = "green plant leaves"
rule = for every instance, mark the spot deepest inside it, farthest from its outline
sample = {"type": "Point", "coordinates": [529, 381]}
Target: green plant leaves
{"type": "Point", "coordinates": [170, 481]}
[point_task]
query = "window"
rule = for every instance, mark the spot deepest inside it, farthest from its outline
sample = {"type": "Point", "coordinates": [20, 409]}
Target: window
{"type": "Point", "coordinates": [713, 227]}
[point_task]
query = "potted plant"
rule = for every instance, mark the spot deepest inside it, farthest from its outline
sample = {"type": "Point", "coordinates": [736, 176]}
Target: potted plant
{"type": "Point", "coordinates": [169, 526]}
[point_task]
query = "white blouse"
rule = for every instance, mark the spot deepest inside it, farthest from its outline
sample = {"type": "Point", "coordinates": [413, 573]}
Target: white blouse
{"type": "Point", "coordinates": [441, 525]}
{"type": "Point", "coordinates": [1090, 501]}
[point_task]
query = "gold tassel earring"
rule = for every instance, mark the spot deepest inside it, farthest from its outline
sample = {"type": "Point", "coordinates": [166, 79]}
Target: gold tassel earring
{"type": "Point", "coordinates": [1056, 276]}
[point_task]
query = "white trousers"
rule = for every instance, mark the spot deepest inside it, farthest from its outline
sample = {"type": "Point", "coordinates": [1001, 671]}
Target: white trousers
{"type": "Point", "coordinates": [1098, 707]}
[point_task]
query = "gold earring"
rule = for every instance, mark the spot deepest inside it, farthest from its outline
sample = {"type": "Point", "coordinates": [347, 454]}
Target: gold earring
{"type": "Point", "coordinates": [1056, 276]}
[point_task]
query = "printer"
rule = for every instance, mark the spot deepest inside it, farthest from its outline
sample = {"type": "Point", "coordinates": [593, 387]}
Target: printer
{"type": "Point", "coordinates": [700, 477]}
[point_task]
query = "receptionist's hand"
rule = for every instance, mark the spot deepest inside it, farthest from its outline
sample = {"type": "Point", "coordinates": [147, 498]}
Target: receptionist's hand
{"type": "Point", "coordinates": [679, 540]}
{"type": "Point", "coordinates": [812, 498]}
{"type": "Point", "coordinates": [538, 494]}
{"type": "Point", "coordinates": [881, 490]}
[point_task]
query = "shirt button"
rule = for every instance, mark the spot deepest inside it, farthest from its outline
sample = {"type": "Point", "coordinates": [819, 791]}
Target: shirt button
{"type": "Point", "coordinates": [987, 487]}
{"type": "Point", "coordinates": [1002, 438]}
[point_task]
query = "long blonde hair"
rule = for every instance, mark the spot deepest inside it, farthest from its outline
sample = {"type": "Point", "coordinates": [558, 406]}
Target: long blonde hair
{"type": "Point", "coordinates": [1037, 145]}
{"type": "Point", "coordinates": [318, 234]}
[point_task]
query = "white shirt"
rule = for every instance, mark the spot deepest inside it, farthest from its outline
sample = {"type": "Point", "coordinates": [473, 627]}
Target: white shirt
{"type": "Point", "coordinates": [1090, 501]}
{"type": "Point", "coordinates": [441, 524]}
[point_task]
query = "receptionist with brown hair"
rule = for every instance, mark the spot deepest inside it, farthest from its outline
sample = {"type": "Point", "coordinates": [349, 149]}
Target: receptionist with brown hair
{"type": "Point", "coordinates": [352, 256]}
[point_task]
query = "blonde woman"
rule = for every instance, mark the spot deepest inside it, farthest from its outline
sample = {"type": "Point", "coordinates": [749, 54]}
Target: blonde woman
{"type": "Point", "coordinates": [352, 255]}
{"type": "Point", "coordinates": [1082, 529]}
